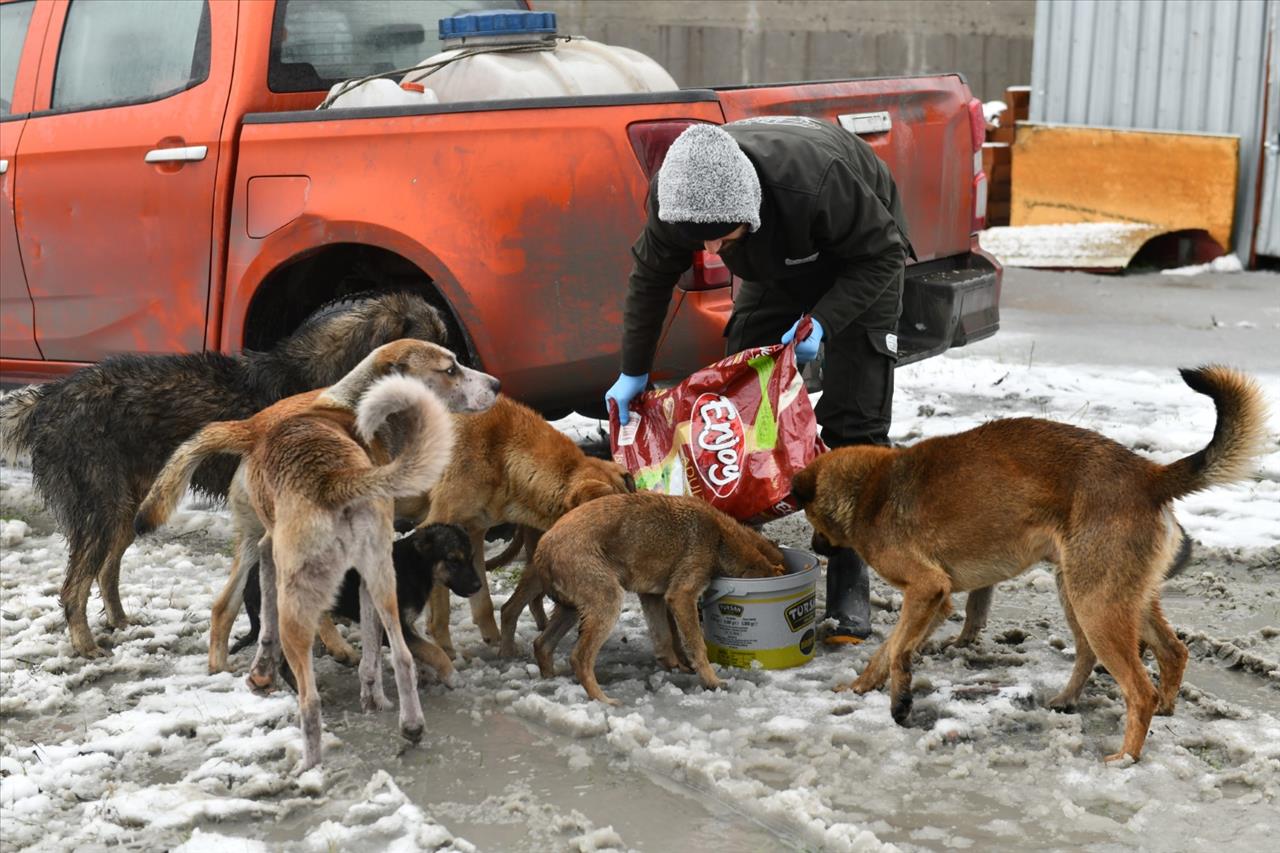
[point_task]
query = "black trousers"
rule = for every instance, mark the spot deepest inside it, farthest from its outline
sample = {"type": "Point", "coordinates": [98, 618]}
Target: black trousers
{"type": "Point", "coordinates": [857, 367]}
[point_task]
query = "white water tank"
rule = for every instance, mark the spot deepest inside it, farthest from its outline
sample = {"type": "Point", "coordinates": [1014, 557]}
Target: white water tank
{"type": "Point", "coordinates": [498, 55]}
{"type": "Point", "coordinates": [378, 93]}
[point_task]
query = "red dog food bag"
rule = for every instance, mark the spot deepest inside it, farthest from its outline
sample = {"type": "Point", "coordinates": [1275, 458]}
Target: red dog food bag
{"type": "Point", "coordinates": [733, 433]}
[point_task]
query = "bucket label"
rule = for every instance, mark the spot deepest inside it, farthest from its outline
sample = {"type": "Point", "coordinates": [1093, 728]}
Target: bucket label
{"type": "Point", "coordinates": [800, 614]}
{"type": "Point", "coordinates": [718, 443]}
{"type": "Point", "coordinates": [729, 609]}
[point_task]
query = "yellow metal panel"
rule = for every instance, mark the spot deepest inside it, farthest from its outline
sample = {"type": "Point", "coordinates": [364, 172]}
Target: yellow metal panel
{"type": "Point", "coordinates": [1175, 181]}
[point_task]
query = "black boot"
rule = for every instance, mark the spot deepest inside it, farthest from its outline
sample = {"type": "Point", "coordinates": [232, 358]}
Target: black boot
{"type": "Point", "coordinates": [848, 597]}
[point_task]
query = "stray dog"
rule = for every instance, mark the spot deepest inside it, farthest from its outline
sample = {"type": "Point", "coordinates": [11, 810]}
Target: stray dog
{"type": "Point", "coordinates": [460, 388]}
{"type": "Point", "coordinates": [509, 465]}
{"type": "Point", "coordinates": [965, 511]}
{"type": "Point", "coordinates": [435, 554]}
{"type": "Point", "coordinates": [665, 548]}
{"type": "Point", "coordinates": [326, 506]}
{"type": "Point", "coordinates": [97, 439]}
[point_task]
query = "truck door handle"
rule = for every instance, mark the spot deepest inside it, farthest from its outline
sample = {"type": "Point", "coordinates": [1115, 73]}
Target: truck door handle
{"type": "Point", "coordinates": [4, 166]}
{"type": "Point", "coordinates": [188, 154]}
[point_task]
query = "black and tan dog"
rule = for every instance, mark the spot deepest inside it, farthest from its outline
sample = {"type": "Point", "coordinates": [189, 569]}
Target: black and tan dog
{"type": "Point", "coordinates": [438, 554]}
{"type": "Point", "coordinates": [97, 439]}
{"type": "Point", "coordinates": [665, 548]}
{"type": "Point", "coordinates": [965, 511]}
{"type": "Point", "coordinates": [321, 473]}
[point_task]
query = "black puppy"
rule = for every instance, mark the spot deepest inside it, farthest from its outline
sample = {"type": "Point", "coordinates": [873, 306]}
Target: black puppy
{"type": "Point", "coordinates": [437, 553]}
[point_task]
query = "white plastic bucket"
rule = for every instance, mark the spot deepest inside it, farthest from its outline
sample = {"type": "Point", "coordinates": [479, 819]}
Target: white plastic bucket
{"type": "Point", "coordinates": [772, 621]}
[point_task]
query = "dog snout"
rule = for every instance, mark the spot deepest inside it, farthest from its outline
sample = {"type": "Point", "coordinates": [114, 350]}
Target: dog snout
{"type": "Point", "coordinates": [822, 545]}
{"type": "Point", "coordinates": [465, 584]}
{"type": "Point", "coordinates": [480, 390]}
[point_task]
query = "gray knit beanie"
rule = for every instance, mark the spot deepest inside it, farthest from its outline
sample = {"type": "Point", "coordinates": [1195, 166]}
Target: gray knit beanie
{"type": "Point", "coordinates": [707, 178]}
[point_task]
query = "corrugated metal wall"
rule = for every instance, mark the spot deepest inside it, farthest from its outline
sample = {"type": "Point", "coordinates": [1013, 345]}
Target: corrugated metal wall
{"type": "Point", "coordinates": [1184, 65]}
{"type": "Point", "coordinates": [1268, 242]}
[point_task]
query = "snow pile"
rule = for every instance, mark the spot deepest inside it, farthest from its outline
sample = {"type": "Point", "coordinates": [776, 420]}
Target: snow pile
{"type": "Point", "coordinates": [992, 110]}
{"type": "Point", "coordinates": [1224, 263]}
{"type": "Point", "coordinates": [1083, 245]}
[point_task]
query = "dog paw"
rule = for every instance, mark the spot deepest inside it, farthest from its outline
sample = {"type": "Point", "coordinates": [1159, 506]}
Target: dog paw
{"type": "Point", "coordinates": [348, 656]}
{"type": "Point", "coordinates": [1063, 704]}
{"type": "Point", "coordinates": [92, 651]}
{"type": "Point", "coordinates": [507, 650]}
{"type": "Point", "coordinates": [864, 685]}
{"type": "Point", "coordinates": [121, 621]}
{"type": "Point", "coordinates": [371, 701]}
{"type": "Point", "coordinates": [259, 682]}
{"type": "Point", "coordinates": [412, 732]}
{"type": "Point", "coordinates": [1119, 759]}
{"type": "Point", "coordinates": [901, 708]}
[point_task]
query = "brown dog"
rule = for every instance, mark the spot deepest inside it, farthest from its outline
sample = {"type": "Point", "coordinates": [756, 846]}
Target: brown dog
{"type": "Point", "coordinates": [665, 548]}
{"type": "Point", "coordinates": [963, 512]}
{"type": "Point", "coordinates": [325, 507]}
{"type": "Point", "coordinates": [509, 466]}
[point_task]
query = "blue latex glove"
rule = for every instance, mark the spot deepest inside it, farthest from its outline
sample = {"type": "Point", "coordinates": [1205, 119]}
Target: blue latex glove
{"type": "Point", "coordinates": [623, 391]}
{"type": "Point", "coordinates": [807, 349]}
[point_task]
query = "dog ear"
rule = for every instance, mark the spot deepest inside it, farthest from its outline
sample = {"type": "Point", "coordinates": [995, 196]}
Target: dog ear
{"type": "Point", "coordinates": [804, 486]}
{"type": "Point", "coordinates": [586, 491]}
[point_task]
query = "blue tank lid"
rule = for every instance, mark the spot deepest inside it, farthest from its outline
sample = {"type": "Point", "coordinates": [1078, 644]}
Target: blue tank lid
{"type": "Point", "coordinates": [497, 22]}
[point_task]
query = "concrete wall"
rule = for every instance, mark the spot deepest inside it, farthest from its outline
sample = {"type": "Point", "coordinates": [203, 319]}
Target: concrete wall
{"type": "Point", "coordinates": [726, 42]}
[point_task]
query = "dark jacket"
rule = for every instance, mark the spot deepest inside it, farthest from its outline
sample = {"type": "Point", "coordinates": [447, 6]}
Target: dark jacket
{"type": "Point", "coordinates": [829, 210]}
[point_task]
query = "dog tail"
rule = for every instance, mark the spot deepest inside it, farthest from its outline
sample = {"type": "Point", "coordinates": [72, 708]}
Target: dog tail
{"type": "Point", "coordinates": [509, 553]}
{"type": "Point", "coordinates": [1238, 437]}
{"type": "Point", "coordinates": [16, 409]}
{"type": "Point", "coordinates": [172, 481]}
{"type": "Point", "coordinates": [424, 430]}
{"type": "Point", "coordinates": [1183, 558]}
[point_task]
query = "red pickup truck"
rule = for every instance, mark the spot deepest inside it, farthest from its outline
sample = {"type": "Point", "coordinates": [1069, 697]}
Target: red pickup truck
{"type": "Point", "coordinates": [168, 186]}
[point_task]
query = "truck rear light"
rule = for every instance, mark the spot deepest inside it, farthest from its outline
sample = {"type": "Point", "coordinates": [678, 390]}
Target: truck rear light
{"type": "Point", "coordinates": [977, 136]}
{"type": "Point", "coordinates": [651, 139]}
{"type": "Point", "coordinates": [979, 202]}
{"type": "Point", "coordinates": [709, 272]}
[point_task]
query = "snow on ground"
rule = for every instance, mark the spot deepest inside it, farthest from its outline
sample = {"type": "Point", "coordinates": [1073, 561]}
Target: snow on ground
{"type": "Point", "coordinates": [1225, 263]}
{"type": "Point", "coordinates": [1084, 245]}
{"type": "Point", "coordinates": [145, 749]}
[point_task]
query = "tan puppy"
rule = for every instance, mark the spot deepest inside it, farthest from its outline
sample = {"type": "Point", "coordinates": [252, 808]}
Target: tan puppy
{"type": "Point", "coordinates": [966, 511]}
{"type": "Point", "coordinates": [665, 548]}
{"type": "Point", "coordinates": [325, 507]}
{"type": "Point", "coordinates": [509, 465]}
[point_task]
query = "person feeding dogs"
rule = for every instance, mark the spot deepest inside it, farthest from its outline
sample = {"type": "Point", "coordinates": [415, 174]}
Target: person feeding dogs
{"type": "Point", "coordinates": [808, 218]}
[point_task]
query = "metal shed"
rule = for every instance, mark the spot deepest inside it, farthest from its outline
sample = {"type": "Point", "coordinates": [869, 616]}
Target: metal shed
{"type": "Point", "coordinates": [1182, 65]}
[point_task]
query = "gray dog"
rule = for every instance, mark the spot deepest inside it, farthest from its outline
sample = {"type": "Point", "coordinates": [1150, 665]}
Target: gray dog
{"type": "Point", "coordinates": [97, 439]}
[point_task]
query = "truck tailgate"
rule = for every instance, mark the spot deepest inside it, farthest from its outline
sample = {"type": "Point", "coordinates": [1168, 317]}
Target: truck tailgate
{"type": "Point", "coordinates": [918, 125]}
